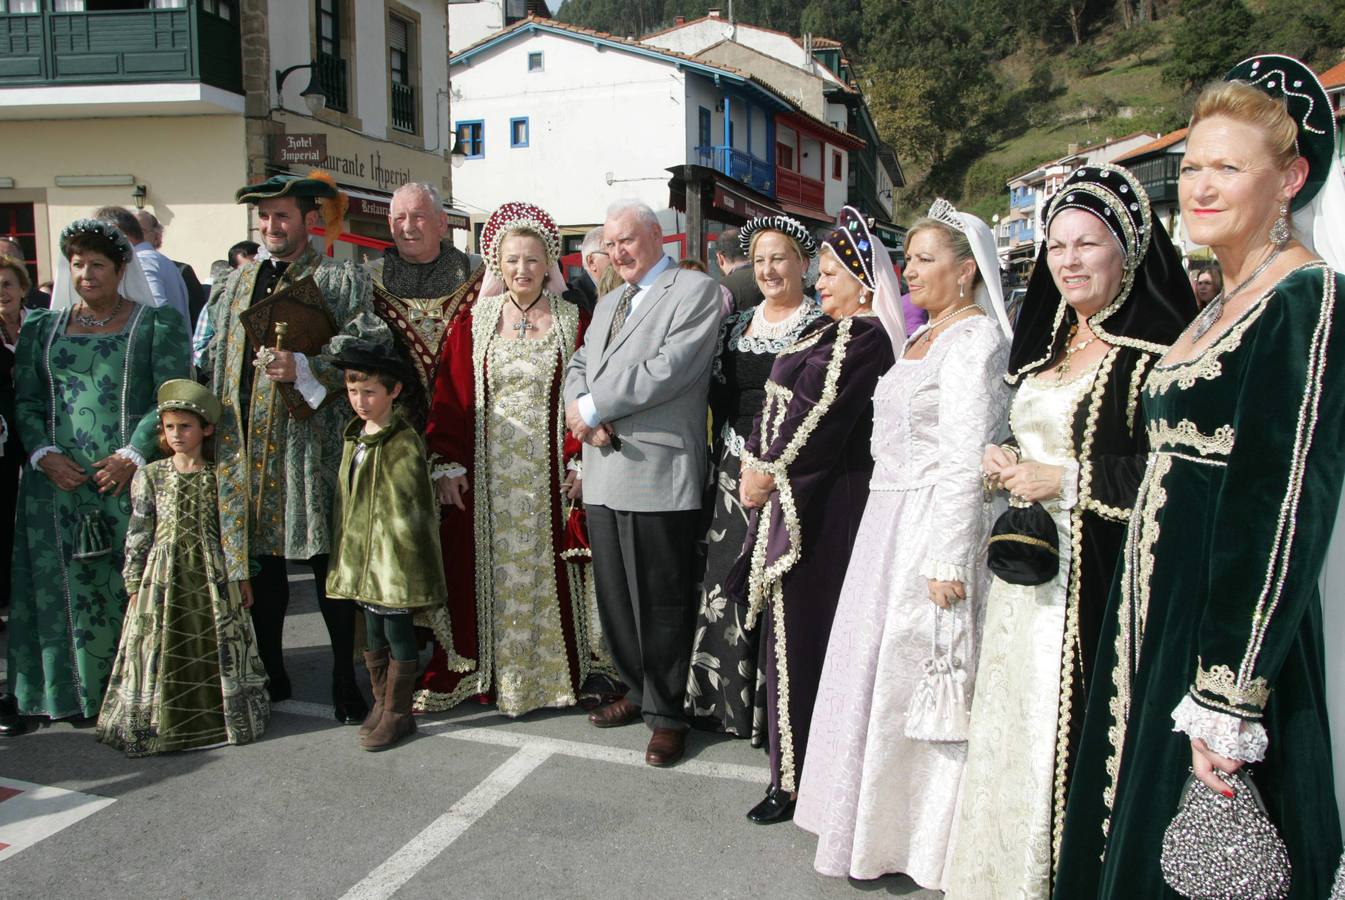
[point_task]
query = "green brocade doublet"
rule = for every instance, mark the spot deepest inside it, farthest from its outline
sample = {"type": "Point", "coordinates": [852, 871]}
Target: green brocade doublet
{"type": "Point", "coordinates": [386, 549]}
{"type": "Point", "coordinates": [1216, 595]}
{"type": "Point", "coordinates": [277, 475]}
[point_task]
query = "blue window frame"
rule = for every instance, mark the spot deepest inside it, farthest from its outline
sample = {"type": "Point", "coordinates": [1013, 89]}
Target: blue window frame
{"type": "Point", "coordinates": [472, 135]}
{"type": "Point", "coordinates": [703, 127]}
{"type": "Point", "coordinates": [535, 62]}
{"type": "Point", "coordinates": [518, 132]}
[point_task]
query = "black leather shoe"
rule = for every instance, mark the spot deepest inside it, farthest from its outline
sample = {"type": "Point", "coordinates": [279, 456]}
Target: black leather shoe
{"type": "Point", "coordinates": [11, 723]}
{"type": "Point", "coordinates": [777, 807]}
{"type": "Point", "coordinates": [13, 726]}
{"type": "Point", "coordinates": [348, 704]}
{"type": "Point", "coordinates": [278, 689]}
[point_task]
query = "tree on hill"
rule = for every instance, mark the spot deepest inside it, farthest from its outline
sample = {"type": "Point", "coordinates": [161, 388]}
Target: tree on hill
{"type": "Point", "coordinates": [1208, 38]}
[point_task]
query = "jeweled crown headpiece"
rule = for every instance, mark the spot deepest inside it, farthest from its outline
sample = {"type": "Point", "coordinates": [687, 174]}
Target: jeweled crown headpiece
{"type": "Point", "coordinates": [943, 211]}
{"type": "Point", "coordinates": [516, 217]}
{"type": "Point", "coordinates": [783, 224]}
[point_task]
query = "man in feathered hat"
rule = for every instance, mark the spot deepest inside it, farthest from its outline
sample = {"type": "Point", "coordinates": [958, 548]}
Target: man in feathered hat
{"type": "Point", "coordinates": [277, 472]}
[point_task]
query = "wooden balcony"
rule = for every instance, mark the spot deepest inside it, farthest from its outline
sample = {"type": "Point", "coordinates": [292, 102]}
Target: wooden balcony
{"type": "Point", "coordinates": [800, 189]}
{"type": "Point", "coordinates": [1159, 176]}
{"type": "Point", "coordinates": [119, 47]}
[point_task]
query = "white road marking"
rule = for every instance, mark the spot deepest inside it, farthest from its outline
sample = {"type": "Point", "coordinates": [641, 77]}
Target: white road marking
{"type": "Point", "coordinates": [501, 737]}
{"type": "Point", "coordinates": [302, 576]}
{"type": "Point", "coordinates": [425, 847]}
{"type": "Point", "coordinates": [37, 811]}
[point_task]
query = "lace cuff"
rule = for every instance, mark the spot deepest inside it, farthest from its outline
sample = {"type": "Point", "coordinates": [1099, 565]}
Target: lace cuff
{"type": "Point", "coordinates": [41, 452]}
{"type": "Point", "coordinates": [130, 454]}
{"type": "Point", "coordinates": [448, 470]}
{"type": "Point", "coordinates": [1225, 734]}
{"type": "Point", "coordinates": [1069, 484]}
{"type": "Point", "coordinates": [312, 390]}
{"type": "Point", "coordinates": [944, 571]}
{"type": "Point", "coordinates": [576, 466]}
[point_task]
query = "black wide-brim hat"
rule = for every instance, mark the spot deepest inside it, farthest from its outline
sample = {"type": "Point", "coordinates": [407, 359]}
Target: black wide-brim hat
{"type": "Point", "coordinates": [366, 356]}
{"type": "Point", "coordinates": [286, 186]}
{"type": "Point", "coordinates": [1284, 77]}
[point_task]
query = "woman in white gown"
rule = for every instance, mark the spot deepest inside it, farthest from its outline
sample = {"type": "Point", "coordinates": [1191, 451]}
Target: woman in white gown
{"type": "Point", "coordinates": [1107, 296]}
{"type": "Point", "coordinates": [879, 800]}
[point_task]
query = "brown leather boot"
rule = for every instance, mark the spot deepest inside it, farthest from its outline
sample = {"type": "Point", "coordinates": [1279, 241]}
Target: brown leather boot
{"type": "Point", "coordinates": [397, 721]}
{"type": "Point", "coordinates": [376, 661]}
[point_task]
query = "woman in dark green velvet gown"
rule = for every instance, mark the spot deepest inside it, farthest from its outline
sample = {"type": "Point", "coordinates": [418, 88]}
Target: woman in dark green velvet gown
{"type": "Point", "coordinates": [1212, 648]}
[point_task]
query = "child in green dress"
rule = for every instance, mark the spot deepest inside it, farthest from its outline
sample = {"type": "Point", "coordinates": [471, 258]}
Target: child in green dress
{"type": "Point", "coordinates": [385, 538]}
{"type": "Point", "coordinates": [187, 674]}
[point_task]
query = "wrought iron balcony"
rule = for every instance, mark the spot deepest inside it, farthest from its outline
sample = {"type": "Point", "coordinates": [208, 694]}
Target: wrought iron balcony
{"type": "Point", "coordinates": [331, 72]}
{"type": "Point", "coordinates": [119, 47]}
{"type": "Point", "coordinates": [403, 107]}
{"type": "Point", "coordinates": [740, 166]}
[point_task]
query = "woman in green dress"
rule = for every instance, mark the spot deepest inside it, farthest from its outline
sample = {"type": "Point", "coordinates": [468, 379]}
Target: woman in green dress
{"type": "Point", "coordinates": [86, 377]}
{"type": "Point", "coordinates": [187, 674]}
{"type": "Point", "coordinates": [1211, 658]}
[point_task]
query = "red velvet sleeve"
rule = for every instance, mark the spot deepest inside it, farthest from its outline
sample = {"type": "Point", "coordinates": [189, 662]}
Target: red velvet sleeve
{"type": "Point", "coordinates": [573, 446]}
{"type": "Point", "coordinates": [450, 431]}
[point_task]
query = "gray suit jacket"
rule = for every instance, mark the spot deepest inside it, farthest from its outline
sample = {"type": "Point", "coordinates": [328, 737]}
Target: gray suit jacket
{"type": "Point", "coordinates": [650, 385]}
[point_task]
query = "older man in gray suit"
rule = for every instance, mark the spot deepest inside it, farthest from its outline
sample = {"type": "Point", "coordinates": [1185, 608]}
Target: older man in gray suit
{"type": "Point", "coordinates": [635, 394]}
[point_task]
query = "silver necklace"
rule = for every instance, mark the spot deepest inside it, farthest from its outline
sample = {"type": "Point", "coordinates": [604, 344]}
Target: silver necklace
{"type": "Point", "coordinates": [762, 329]}
{"type": "Point", "coordinates": [86, 321]}
{"type": "Point", "coordinates": [1215, 309]}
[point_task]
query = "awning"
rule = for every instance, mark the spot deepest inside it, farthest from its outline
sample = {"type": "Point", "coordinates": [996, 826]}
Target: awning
{"type": "Point", "coordinates": [376, 203]}
{"type": "Point", "coordinates": [729, 200]}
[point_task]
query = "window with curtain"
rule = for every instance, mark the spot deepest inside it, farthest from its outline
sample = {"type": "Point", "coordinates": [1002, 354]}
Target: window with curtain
{"type": "Point", "coordinates": [399, 52]}
{"type": "Point", "coordinates": [18, 7]}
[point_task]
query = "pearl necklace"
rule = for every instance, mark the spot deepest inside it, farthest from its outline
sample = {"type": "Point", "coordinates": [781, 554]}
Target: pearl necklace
{"type": "Point", "coordinates": [87, 321]}
{"type": "Point", "coordinates": [928, 336]}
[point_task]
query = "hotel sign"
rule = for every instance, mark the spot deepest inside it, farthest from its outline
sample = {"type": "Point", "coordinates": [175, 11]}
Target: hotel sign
{"type": "Point", "coordinates": [299, 149]}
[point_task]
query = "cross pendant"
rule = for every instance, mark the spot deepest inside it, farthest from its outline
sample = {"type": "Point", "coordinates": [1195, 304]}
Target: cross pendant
{"type": "Point", "coordinates": [522, 326]}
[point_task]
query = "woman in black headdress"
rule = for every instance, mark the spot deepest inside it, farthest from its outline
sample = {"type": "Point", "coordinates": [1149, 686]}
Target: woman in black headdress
{"type": "Point", "coordinates": [805, 475]}
{"type": "Point", "coordinates": [1212, 656]}
{"type": "Point", "coordinates": [1107, 296]}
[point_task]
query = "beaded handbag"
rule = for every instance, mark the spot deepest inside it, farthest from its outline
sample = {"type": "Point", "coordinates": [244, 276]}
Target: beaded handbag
{"type": "Point", "coordinates": [938, 711]}
{"type": "Point", "coordinates": [1218, 848]}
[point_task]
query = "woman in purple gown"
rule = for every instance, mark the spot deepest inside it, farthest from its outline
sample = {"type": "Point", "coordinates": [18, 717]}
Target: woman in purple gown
{"type": "Point", "coordinates": [805, 476]}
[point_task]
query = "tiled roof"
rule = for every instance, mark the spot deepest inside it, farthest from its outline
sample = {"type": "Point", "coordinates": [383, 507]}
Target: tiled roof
{"type": "Point", "coordinates": [1333, 77]}
{"type": "Point", "coordinates": [524, 24]}
{"type": "Point", "coordinates": [1166, 141]}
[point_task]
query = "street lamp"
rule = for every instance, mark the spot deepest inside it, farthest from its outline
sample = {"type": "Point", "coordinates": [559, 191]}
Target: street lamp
{"type": "Point", "coordinates": [312, 95]}
{"type": "Point", "coordinates": [458, 154]}
{"type": "Point", "coordinates": [139, 195]}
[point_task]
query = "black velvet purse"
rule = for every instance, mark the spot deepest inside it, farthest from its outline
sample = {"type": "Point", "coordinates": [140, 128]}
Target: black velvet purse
{"type": "Point", "coordinates": [1024, 546]}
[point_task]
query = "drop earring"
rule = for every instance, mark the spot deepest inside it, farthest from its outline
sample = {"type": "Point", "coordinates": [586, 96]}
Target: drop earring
{"type": "Point", "coordinates": [961, 291]}
{"type": "Point", "coordinates": [1279, 232]}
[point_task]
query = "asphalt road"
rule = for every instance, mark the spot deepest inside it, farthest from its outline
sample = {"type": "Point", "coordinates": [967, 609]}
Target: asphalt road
{"type": "Point", "coordinates": [475, 806]}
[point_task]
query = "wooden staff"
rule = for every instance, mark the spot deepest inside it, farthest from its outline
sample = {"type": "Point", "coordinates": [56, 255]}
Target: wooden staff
{"type": "Point", "coordinates": [281, 328]}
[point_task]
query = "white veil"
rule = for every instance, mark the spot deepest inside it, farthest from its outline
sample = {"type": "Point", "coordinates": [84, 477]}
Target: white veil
{"type": "Point", "coordinates": [887, 295]}
{"type": "Point", "coordinates": [990, 292]}
{"type": "Point", "coordinates": [1320, 225]}
{"type": "Point", "coordinates": [134, 286]}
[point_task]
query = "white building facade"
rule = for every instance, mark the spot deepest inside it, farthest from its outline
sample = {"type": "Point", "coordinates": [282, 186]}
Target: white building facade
{"type": "Point", "coordinates": [574, 120]}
